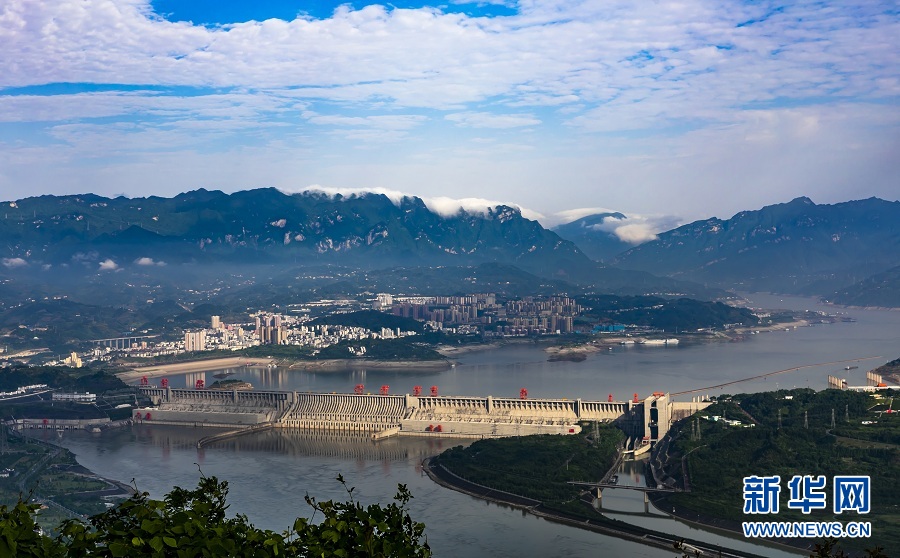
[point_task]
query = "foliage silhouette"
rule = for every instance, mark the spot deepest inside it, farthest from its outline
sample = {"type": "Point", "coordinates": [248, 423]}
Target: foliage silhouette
{"type": "Point", "coordinates": [194, 523]}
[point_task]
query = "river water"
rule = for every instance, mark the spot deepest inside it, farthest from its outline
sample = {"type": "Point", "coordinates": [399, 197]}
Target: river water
{"type": "Point", "coordinates": [269, 473]}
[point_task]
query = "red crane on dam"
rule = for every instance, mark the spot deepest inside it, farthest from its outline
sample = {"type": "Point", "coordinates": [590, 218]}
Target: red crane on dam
{"type": "Point", "coordinates": [434, 391]}
{"type": "Point", "coordinates": [417, 390]}
{"type": "Point", "coordinates": [385, 389]}
{"type": "Point", "coordinates": [523, 393]}
{"type": "Point", "coordinates": [358, 389]}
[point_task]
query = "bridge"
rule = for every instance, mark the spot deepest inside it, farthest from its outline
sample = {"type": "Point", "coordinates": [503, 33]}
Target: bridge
{"type": "Point", "coordinates": [382, 416]}
{"type": "Point", "coordinates": [602, 485]}
{"type": "Point", "coordinates": [596, 489]}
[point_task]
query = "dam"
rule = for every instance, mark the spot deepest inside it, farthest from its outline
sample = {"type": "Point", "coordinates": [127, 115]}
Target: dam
{"type": "Point", "coordinates": [380, 416]}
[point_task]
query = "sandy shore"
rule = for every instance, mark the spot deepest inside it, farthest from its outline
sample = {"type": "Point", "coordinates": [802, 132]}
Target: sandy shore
{"type": "Point", "coordinates": [603, 343]}
{"type": "Point", "coordinates": [563, 350]}
{"type": "Point", "coordinates": [190, 366]}
{"type": "Point", "coordinates": [594, 346]}
{"type": "Point", "coordinates": [454, 350]}
{"type": "Point", "coordinates": [774, 327]}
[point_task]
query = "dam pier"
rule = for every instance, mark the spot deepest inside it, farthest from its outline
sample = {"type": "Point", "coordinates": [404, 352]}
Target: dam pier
{"type": "Point", "coordinates": [644, 421]}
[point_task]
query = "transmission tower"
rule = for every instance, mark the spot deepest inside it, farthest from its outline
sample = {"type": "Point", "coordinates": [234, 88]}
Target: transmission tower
{"type": "Point", "coordinates": [847, 413]}
{"type": "Point", "coordinates": [779, 419]}
{"type": "Point", "coordinates": [806, 420]}
{"type": "Point", "coordinates": [832, 418]}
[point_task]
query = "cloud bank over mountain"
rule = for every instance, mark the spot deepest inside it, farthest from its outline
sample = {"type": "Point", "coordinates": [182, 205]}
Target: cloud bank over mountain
{"type": "Point", "coordinates": [692, 109]}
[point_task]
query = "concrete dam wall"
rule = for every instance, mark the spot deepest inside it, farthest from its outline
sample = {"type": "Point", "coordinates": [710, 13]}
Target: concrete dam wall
{"type": "Point", "coordinates": [400, 414]}
{"type": "Point", "coordinates": [346, 412]}
{"type": "Point", "coordinates": [191, 407]}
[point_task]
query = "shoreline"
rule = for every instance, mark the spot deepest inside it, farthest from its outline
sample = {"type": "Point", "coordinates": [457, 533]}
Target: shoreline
{"type": "Point", "coordinates": [603, 343]}
{"type": "Point", "coordinates": [449, 351]}
{"type": "Point", "coordinates": [115, 487]}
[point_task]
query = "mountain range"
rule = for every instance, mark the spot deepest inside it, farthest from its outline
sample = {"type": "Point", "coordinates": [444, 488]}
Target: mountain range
{"type": "Point", "coordinates": [795, 247]}
{"type": "Point", "coordinates": [154, 238]}
{"type": "Point", "coordinates": [267, 225]}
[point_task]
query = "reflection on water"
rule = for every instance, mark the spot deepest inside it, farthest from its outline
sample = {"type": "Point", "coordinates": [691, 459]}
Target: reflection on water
{"type": "Point", "coordinates": [342, 445]}
{"type": "Point", "coordinates": [269, 473]}
{"type": "Point", "coordinates": [191, 379]}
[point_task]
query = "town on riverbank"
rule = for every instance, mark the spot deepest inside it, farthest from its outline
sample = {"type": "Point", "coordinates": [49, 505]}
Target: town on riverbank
{"type": "Point", "coordinates": [416, 331]}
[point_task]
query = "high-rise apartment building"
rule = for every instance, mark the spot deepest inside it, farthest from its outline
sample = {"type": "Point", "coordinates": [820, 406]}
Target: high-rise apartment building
{"type": "Point", "coordinates": [194, 341]}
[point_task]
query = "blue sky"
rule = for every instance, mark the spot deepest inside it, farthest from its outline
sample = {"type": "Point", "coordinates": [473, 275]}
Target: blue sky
{"type": "Point", "coordinates": [668, 111]}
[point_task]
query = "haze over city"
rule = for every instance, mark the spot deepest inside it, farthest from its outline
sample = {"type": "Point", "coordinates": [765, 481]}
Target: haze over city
{"type": "Point", "coordinates": [667, 111]}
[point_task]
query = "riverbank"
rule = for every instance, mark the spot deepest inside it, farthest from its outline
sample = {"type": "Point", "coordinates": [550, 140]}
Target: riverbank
{"type": "Point", "coordinates": [783, 326]}
{"type": "Point", "coordinates": [450, 351]}
{"type": "Point", "coordinates": [55, 479]}
{"type": "Point", "coordinates": [606, 342]}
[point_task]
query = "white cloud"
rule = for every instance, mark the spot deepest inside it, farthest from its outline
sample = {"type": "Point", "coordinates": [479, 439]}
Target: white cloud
{"type": "Point", "coordinates": [143, 261]}
{"type": "Point", "coordinates": [569, 215]}
{"type": "Point", "coordinates": [632, 228]}
{"type": "Point", "coordinates": [450, 206]}
{"type": "Point", "coordinates": [108, 265]}
{"type": "Point", "coordinates": [637, 229]}
{"type": "Point", "coordinates": [635, 233]}
{"type": "Point", "coordinates": [667, 103]}
{"type": "Point", "coordinates": [548, 52]}
{"type": "Point", "coordinates": [489, 120]}
{"type": "Point", "coordinates": [13, 262]}
{"type": "Point", "coordinates": [383, 122]}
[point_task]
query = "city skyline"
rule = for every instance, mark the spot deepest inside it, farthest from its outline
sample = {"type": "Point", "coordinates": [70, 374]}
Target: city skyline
{"type": "Point", "coordinates": [666, 112]}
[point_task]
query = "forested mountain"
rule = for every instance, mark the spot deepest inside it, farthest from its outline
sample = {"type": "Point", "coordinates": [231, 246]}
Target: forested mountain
{"type": "Point", "coordinates": [881, 289]}
{"type": "Point", "coordinates": [267, 225]}
{"type": "Point", "coordinates": [166, 243]}
{"type": "Point", "coordinates": [797, 246]}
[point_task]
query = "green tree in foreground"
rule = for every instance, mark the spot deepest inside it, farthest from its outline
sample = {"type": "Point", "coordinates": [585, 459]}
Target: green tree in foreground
{"type": "Point", "coordinates": [193, 523]}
